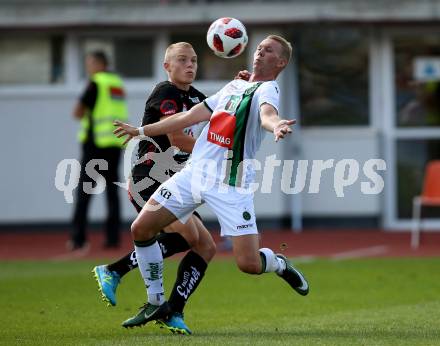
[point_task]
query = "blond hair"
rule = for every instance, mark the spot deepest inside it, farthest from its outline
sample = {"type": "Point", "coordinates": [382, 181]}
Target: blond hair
{"type": "Point", "coordinates": [174, 46]}
{"type": "Point", "coordinates": [286, 47]}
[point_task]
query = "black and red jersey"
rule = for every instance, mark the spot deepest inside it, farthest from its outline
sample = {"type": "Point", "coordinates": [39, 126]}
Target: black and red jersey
{"type": "Point", "coordinates": [165, 100]}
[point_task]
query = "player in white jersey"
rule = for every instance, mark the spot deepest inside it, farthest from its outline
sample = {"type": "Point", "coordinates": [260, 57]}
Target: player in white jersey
{"type": "Point", "coordinates": [218, 175]}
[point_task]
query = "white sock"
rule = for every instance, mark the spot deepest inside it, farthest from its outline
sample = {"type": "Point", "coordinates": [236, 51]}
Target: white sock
{"type": "Point", "coordinates": [150, 262]}
{"type": "Point", "coordinates": [281, 265]}
{"type": "Point", "coordinates": [273, 263]}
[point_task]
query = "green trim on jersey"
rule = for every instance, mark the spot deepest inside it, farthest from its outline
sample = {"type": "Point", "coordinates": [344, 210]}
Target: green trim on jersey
{"type": "Point", "coordinates": [241, 119]}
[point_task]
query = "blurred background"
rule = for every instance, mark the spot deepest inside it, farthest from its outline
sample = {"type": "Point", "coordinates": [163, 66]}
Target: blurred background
{"type": "Point", "coordinates": [362, 85]}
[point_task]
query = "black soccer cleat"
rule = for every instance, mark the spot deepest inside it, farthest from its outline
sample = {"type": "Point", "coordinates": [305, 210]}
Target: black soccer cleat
{"type": "Point", "coordinates": [294, 277]}
{"type": "Point", "coordinates": [148, 312]}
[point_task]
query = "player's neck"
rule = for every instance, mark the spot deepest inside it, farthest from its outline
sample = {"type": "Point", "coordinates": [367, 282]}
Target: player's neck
{"type": "Point", "coordinates": [181, 86]}
{"type": "Point", "coordinates": [260, 78]}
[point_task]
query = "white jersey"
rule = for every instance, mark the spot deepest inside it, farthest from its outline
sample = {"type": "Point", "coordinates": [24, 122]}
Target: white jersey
{"type": "Point", "coordinates": [234, 133]}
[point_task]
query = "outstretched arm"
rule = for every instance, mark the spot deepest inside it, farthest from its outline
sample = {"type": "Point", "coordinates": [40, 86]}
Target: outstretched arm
{"type": "Point", "coordinates": [181, 140]}
{"type": "Point", "coordinates": [172, 123]}
{"type": "Point", "coordinates": [271, 122]}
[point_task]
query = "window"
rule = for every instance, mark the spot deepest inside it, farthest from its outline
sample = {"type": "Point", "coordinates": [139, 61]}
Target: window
{"type": "Point", "coordinates": [31, 60]}
{"type": "Point", "coordinates": [211, 67]}
{"type": "Point", "coordinates": [333, 76]}
{"type": "Point", "coordinates": [417, 99]}
{"type": "Point", "coordinates": [412, 157]}
{"type": "Point", "coordinates": [131, 57]}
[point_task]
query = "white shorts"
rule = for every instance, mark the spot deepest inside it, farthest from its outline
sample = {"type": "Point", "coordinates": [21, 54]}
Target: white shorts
{"type": "Point", "coordinates": [234, 210]}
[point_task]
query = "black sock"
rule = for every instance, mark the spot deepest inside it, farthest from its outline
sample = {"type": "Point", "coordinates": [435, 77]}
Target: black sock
{"type": "Point", "coordinates": [191, 270]}
{"type": "Point", "coordinates": [123, 265]}
{"type": "Point", "coordinates": [170, 244]}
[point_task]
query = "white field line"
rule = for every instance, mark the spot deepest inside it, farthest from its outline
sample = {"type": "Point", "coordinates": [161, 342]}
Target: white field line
{"type": "Point", "coordinates": [357, 253]}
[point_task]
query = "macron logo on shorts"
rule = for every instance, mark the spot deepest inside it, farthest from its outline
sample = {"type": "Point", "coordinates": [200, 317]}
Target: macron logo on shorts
{"type": "Point", "coordinates": [244, 226]}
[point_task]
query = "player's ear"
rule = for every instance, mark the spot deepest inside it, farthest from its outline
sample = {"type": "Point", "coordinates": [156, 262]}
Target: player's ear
{"type": "Point", "coordinates": [282, 63]}
{"type": "Point", "coordinates": [166, 66]}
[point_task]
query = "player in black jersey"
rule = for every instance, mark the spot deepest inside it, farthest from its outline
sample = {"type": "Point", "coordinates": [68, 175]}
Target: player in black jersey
{"type": "Point", "coordinates": [156, 163]}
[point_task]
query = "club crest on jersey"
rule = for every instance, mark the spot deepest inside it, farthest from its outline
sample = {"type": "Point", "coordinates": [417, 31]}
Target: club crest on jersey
{"type": "Point", "coordinates": [194, 99]}
{"type": "Point", "coordinates": [221, 129]}
{"type": "Point", "coordinates": [168, 107]}
{"type": "Point", "coordinates": [232, 104]}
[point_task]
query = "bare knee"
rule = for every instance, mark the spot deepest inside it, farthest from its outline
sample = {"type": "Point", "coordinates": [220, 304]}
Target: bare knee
{"type": "Point", "coordinates": [136, 230]}
{"type": "Point", "coordinates": [140, 231]}
{"type": "Point", "coordinates": [249, 265]}
{"type": "Point", "coordinates": [205, 249]}
{"type": "Point", "coordinates": [191, 237]}
{"type": "Point", "coordinates": [211, 249]}
{"type": "Point", "coordinates": [246, 253]}
{"type": "Point", "coordinates": [205, 246]}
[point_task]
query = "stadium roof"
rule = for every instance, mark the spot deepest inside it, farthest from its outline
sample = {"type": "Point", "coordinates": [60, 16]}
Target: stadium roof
{"type": "Point", "coordinates": [148, 13]}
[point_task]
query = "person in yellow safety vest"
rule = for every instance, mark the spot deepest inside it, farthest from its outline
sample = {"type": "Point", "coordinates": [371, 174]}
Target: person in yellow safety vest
{"type": "Point", "coordinates": [102, 102]}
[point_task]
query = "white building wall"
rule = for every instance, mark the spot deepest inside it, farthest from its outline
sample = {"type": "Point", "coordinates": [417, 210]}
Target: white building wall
{"type": "Point", "coordinates": [39, 132]}
{"type": "Point", "coordinates": [359, 145]}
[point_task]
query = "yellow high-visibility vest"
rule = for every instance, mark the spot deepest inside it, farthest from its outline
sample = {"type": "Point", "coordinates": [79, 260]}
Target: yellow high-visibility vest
{"type": "Point", "coordinates": [110, 105]}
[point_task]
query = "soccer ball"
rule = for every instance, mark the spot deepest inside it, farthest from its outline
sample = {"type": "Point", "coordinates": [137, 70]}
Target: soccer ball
{"type": "Point", "coordinates": [227, 37]}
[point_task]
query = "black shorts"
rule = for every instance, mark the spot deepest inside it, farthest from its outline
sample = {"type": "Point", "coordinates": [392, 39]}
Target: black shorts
{"type": "Point", "coordinates": [143, 196]}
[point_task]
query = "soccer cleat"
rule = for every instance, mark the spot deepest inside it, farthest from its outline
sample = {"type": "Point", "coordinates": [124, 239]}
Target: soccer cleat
{"type": "Point", "coordinates": [108, 281]}
{"type": "Point", "coordinates": [148, 312]}
{"type": "Point", "coordinates": [175, 324]}
{"type": "Point", "coordinates": [294, 277]}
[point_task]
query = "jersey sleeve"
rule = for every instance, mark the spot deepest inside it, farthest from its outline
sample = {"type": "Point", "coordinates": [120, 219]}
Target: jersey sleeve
{"type": "Point", "coordinates": [88, 98]}
{"type": "Point", "coordinates": [269, 93]}
{"type": "Point", "coordinates": [166, 101]}
{"type": "Point", "coordinates": [212, 101]}
{"type": "Point", "coordinates": [201, 95]}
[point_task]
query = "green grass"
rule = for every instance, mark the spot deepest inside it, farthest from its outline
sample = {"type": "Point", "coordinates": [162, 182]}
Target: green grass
{"type": "Point", "coordinates": [357, 302]}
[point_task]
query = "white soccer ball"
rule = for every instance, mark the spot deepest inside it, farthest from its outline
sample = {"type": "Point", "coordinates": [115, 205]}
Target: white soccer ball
{"type": "Point", "coordinates": [227, 37]}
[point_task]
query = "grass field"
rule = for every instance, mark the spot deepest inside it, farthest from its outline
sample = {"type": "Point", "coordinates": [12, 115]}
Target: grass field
{"type": "Point", "coordinates": [356, 302]}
